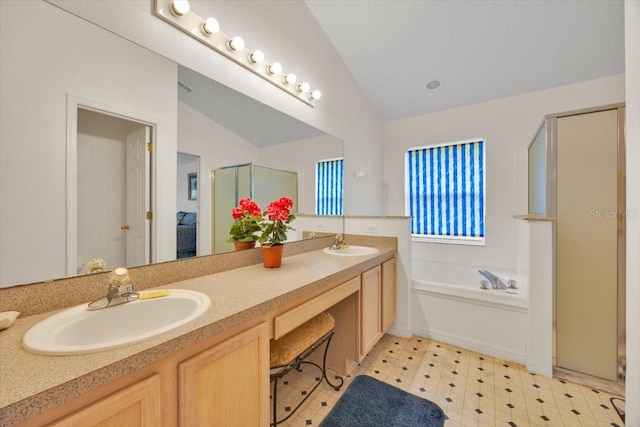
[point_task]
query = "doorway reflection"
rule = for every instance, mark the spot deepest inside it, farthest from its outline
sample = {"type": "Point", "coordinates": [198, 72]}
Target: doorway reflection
{"type": "Point", "coordinates": [112, 183]}
{"type": "Point", "coordinates": [187, 192]}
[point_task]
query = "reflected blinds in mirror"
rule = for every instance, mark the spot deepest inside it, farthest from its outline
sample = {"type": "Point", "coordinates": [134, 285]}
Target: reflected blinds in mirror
{"type": "Point", "coordinates": [329, 185]}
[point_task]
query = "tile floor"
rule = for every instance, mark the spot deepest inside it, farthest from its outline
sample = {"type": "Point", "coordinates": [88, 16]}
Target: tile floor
{"type": "Point", "coordinates": [473, 389]}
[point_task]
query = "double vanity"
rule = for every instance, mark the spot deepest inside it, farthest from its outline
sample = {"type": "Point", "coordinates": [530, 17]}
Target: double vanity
{"type": "Point", "coordinates": [215, 368]}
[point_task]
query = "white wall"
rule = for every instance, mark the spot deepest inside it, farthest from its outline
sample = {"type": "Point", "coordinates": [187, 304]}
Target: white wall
{"type": "Point", "coordinates": [217, 147]}
{"type": "Point", "coordinates": [285, 30]}
{"type": "Point", "coordinates": [537, 268]}
{"type": "Point", "coordinates": [301, 157]}
{"type": "Point", "coordinates": [632, 73]}
{"type": "Point", "coordinates": [58, 55]}
{"type": "Point", "coordinates": [508, 125]}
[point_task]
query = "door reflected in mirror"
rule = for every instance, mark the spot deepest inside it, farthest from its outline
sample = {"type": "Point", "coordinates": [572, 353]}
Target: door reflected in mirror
{"type": "Point", "coordinates": [112, 187]}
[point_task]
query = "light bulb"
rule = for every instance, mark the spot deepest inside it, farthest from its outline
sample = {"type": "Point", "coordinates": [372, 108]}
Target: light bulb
{"type": "Point", "coordinates": [179, 7]}
{"type": "Point", "coordinates": [303, 87]}
{"type": "Point", "coordinates": [236, 43]}
{"type": "Point", "coordinates": [316, 94]}
{"type": "Point", "coordinates": [274, 68]}
{"type": "Point", "coordinates": [289, 79]}
{"type": "Point", "coordinates": [210, 26]}
{"type": "Point", "coordinates": [256, 57]}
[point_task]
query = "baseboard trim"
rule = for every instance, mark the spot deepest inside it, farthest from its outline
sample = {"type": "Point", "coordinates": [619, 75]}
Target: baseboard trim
{"type": "Point", "coordinates": [544, 369]}
{"type": "Point", "coordinates": [490, 350]}
{"type": "Point", "coordinates": [400, 331]}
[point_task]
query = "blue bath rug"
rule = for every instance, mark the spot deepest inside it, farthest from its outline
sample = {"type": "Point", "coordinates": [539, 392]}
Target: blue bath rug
{"type": "Point", "coordinates": [373, 403]}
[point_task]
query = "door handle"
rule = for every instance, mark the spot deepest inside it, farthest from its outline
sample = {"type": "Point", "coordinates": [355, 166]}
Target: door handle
{"type": "Point", "coordinates": [124, 227]}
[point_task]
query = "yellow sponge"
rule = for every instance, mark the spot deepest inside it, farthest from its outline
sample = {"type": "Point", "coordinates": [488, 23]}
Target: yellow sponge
{"type": "Point", "coordinates": [154, 294]}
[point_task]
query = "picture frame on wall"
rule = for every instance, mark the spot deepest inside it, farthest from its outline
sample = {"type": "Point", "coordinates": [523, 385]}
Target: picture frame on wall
{"type": "Point", "coordinates": [192, 193]}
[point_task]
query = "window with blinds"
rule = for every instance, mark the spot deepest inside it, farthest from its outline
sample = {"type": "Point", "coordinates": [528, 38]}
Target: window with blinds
{"type": "Point", "coordinates": [329, 186]}
{"type": "Point", "coordinates": [446, 192]}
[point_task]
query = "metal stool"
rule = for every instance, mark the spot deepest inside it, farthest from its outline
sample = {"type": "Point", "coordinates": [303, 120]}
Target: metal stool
{"type": "Point", "coordinates": [291, 350]}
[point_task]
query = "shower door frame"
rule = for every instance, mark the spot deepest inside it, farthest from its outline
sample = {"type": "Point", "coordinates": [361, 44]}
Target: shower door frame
{"type": "Point", "coordinates": [617, 387]}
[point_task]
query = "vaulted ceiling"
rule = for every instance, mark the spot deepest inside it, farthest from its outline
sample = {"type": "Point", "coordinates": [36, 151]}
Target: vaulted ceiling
{"type": "Point", "coordinates": [479, 50]}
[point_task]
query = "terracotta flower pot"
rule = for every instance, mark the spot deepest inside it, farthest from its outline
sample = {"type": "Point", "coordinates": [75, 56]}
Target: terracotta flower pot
{"type": "Point", "coordinates": [272, 256]}
{"type": "Point", "coordinates": [241, 246]}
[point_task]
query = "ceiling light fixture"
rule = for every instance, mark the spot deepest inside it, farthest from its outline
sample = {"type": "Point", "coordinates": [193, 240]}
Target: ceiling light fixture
{"type": "Point", "coordinates": [207, 31]}
{"type": "Point", "coordinates": [210, 26]}
{"type": "Point", "coordinates": [179, 7]}
{"type": "Point", "coordinates": [434, 84]}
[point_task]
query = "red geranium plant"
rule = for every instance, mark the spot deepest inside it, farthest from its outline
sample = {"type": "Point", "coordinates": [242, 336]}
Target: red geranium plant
{"type": "Point", "coordinates": [275, 223]}
{"type": "Point", "coordinates": [247, 216]}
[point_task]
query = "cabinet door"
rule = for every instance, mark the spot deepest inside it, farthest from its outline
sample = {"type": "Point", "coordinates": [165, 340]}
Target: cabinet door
{"type": "Point", "coordinates": [388, 293]}
{"type": "Point", "coordinates": [228, 384]}
{"type": "Point", "coordinates": [370, 299]}
{"type": "Point", "coordinates": [135, 405]}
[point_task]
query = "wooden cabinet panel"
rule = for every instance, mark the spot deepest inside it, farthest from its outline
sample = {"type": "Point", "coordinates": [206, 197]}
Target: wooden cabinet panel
{"type": "Point", "coordinates": [228, 384]}
{"type": "Point", "coordinates": [133, 406]}
{"type": "Point", "coordinates": [388, 293]}
{"type": "Point", "coordinates": [371, 316]}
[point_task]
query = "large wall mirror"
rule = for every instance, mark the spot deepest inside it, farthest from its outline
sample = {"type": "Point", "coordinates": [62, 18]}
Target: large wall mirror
{"type": "Point", "coordinates": [223, 128]}
{"type": "Point", "coordinates": [118, 89]}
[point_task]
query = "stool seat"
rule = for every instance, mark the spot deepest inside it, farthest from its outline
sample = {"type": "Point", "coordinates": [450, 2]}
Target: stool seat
{"type": "Point", "coordinates": [290, 352]}
{"type": "Point", "coordinates": [286, 348]}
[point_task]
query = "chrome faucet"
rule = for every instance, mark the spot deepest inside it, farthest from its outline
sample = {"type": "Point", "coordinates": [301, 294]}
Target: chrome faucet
{"type": "Point", "coordinates": [338, 242]}
{"type": "Point", "coordinates": [120, 291]}
{"type": "Point", "coordinates": [496, 282]}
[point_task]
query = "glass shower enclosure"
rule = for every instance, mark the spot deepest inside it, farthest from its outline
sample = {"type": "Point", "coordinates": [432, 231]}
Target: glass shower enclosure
{"type": "Point", "coordinates": [258, 182]}
{"type": "Point", "coordinates": [577, 178]}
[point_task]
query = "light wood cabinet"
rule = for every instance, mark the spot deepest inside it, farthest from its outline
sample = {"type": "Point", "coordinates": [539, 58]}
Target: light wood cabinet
{"type": "Point", "coordinates": [370, 312]}
{"type": "Point", "coordinates": [133, 406]}
{"type": "Point", "coordinates": [388, 293]}
{"type": "Point", "coordinates": [228, 384]}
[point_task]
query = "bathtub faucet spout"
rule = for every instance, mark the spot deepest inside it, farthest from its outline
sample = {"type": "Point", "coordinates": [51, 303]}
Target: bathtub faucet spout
{"type": "Point", "coordinates": [496, 282]}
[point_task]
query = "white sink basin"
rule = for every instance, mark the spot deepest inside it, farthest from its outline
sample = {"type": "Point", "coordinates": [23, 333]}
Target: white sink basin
{"type": "Point", "coordinates": [78, 330]}
{"type": "Point", "coordinates": [352, 251]}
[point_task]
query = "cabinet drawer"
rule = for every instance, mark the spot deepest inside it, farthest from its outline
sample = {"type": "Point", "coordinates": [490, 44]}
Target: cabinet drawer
{"type": "Point", "coordinates": [288, 321]}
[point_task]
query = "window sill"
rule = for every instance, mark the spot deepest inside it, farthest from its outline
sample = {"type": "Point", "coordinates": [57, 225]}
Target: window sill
{"type": "Point", "coordinates": [449, 240]}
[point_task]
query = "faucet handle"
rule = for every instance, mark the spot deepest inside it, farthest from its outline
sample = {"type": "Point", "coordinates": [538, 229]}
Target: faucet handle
{"type": "Point", "coordinates": [119, 277]}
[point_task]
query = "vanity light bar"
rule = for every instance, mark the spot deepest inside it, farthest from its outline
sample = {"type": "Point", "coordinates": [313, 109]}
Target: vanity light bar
{"type": "Point", "coordinates": [207, 31]}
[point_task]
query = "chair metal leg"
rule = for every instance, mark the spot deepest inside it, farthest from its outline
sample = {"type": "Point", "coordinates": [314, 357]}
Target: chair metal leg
{"type": "Point", "coordinates": [296, 364]}
{"type": "Point", "coordinates": [275, 399]}
{"type": "Point", "coordinates": [324, 368]}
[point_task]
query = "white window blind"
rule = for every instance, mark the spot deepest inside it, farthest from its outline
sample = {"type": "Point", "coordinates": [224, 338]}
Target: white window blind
{"type": "Point", "coordinates": [446, 190]}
